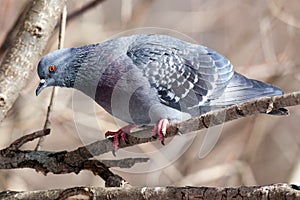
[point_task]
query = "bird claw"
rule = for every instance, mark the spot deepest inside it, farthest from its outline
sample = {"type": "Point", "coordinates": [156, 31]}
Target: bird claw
{"type": "Point", "coordinates": [116, 137]}
{"type": "Point", "coordinates": [120, 134]}
{"type": "Point", "coordinates": [160, 129]}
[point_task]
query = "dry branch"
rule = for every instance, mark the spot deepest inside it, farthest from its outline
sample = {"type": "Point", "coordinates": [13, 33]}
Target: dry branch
{"type": "Point", "coordinates": [84, 9]}
{"type": "Point", "coordinates": [261, 105]}
{"type": "Point", "coordinates": [24, 52]}
{"type": "Point", "coordinates": [75, 161]}
{"type": "Point", "coordinates": [276, 191]}
{"type": "Point", "coordinates": [12, 32]}
{"type": "Point", "coordinates": [58, 162]}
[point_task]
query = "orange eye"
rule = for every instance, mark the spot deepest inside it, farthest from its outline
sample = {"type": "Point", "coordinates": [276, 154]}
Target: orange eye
{"type": "Point", "coordinates": [52, 68]}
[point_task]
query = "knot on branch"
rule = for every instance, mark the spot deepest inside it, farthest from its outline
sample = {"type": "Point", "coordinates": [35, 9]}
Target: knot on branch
{"type": "Point", "coordinates": [34, 29]}
{"type": "Point", "coordinates": [2, 100]}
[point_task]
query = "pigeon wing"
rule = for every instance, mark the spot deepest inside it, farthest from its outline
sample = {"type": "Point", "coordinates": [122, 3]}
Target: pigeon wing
{"type": "Point", "coordinates": [187, 77]}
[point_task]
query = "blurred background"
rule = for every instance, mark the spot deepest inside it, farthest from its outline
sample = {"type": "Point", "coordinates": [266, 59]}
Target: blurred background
{"type": "Point", "coordinates": [262, 40]}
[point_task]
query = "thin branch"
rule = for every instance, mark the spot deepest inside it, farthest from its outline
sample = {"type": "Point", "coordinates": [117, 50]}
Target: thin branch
{"type": "Point", "coordinates": [24, 52]}
{"type": "Point", "coordinates": [100, 169]}
{"type": "Point", "coordinates": [62, 27]}
{"type": "Point", "coordinates": [85, 8]}
{"type": "Point", "coordinates": [124, 163]}
{"type": "Point", "coordinates": [61, 36]}
{"type": "Point", "coordinates": [275, 191]}
{"type": "Point", "coordinates": [27, 138]}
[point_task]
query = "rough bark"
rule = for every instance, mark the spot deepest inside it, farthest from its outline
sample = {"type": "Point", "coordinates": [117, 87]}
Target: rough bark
{"type": "Point", "coordinates": [276, 191]}
{"type": "Point", "coordinates": [59, 162]}
{"type": "Point", "coordinates": [23, 54]}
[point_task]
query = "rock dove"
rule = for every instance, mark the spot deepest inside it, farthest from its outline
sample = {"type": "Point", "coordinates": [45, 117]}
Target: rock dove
{"type": "Point", "coordinates": [150, 79]}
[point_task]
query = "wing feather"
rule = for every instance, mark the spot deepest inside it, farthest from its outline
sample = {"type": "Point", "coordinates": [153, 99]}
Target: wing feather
{"type": "Point", "coordinates": [188, 75]}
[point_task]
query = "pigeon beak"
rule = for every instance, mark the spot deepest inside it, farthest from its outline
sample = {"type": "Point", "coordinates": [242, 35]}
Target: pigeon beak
{"type": "Point", "coordinates": [43, 84]}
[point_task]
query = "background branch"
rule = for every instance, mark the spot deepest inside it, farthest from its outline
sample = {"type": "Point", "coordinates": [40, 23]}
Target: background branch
{"type": "Point", "coordinates": [276, 191]}
{"type": "Point", "coordinates": [24, 52]}
{"type": "Point", "coordinates": [17, 24]}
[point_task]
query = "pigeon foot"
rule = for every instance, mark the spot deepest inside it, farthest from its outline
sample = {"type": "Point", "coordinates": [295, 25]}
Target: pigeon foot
{"type": "Point", "coordinates": [161, 129]}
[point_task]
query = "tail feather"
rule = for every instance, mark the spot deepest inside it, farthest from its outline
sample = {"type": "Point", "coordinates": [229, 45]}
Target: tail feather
{"type": "Point", "coordinates": [241, 89]}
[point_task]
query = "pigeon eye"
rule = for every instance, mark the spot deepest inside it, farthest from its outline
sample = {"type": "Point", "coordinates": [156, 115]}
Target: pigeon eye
{"type": "Point", "coordinates": [52, 68]}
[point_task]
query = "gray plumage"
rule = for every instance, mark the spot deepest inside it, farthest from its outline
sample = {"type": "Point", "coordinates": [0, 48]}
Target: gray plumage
{"type": "Point", "coordinates": [141, 79]}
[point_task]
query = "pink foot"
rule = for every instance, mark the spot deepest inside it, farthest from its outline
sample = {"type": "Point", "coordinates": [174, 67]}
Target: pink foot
{"type": "Point", "coordinates": [161, 128]}
{"type": "Point", "coordinates": [122, 132]}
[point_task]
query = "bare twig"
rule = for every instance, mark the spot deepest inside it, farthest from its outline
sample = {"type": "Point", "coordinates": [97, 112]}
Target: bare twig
{"type": "Point", "coordinates": [27, 138]}
{"type": "Point", "coordinates": [275, 191]}
{"type": "Point", "coordinates": [61, 36]}
{"type": "Point", "coordinates": [100, 169]}
{"type": "Point", "coordinates": [23, 54]}
{"type": "Point", "coordinates": [124, 163]}
{"type": "Point", "coordinates": [62, 28]}
{"type": "Point", "coordinates": [87, 7]}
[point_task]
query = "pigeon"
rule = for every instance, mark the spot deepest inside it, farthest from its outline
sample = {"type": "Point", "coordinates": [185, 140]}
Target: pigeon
{"type": "Point", "coordinates": [151, 79]}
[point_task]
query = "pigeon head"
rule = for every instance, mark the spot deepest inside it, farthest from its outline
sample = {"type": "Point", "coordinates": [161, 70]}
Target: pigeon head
{"type": "Point", "coordinates": [58, 68]}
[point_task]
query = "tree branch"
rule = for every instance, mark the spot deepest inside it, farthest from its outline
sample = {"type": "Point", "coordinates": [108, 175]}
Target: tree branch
{"type": "Point", "coordinates": [276, 191]}
{"type": "Point", "coordinates": [84, 9]}
{"type": "Point", "coordinates": [19, 142]}
{"type": "Point", "coordinates": [58, 162]}
{"type": "Point", "coordinates": [24, 52]}
{"type": "Point", "coordinates": [261, 105]}
{"type": "Point", "coordinates": [75, 161]}
{"type": "Point", "coordinates": [71, 17]}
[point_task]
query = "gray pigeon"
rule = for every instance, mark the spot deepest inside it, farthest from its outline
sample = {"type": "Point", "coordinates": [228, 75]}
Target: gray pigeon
{"type": "Point", "coordinates": [151, 79]}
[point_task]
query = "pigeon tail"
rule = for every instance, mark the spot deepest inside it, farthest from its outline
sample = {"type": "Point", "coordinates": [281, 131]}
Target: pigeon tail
{"type": "Point", "coordinates": [241, 89]}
